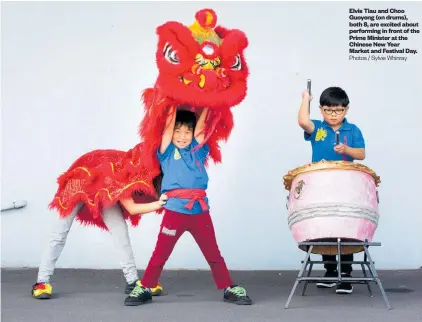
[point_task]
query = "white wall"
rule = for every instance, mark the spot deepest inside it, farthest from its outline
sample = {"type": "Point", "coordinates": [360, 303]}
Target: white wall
{"type": "Point", "coordinates": [71, 80]}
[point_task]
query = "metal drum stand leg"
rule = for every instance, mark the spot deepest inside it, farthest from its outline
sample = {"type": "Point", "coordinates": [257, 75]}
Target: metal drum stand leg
{"type": "Point", "coordinates": [356, 280]}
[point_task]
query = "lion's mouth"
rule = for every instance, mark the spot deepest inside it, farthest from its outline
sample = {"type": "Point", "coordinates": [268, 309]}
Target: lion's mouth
{"type": "Point", "coordinates": [187, 80]}
{"type": "Point", "coordinates": [207, 80]}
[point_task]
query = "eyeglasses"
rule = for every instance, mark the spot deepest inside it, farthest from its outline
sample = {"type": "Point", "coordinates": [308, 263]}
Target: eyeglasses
{"type": "Point", "coordinates": [330, 112]}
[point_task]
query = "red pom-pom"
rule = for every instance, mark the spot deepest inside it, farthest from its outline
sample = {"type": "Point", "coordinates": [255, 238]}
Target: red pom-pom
{"type": "Point", "coordinates": [207, 18]}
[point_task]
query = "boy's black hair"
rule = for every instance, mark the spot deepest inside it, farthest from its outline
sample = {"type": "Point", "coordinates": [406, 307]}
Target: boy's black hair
{"type": "Point", "coordinates": [334, 96]}
{"type": "Point", "coordinates": [187, 118]}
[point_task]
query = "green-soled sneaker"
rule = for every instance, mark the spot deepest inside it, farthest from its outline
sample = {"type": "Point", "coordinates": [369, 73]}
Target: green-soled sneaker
{"type": "Point", "coordinates": [156, 291]}
{"type": "Point", "coordinates": [139, 295]}
{"type": "Point", "coordinates": [237, 295]}
{"type": "Point", "coordinates": [129, 287]}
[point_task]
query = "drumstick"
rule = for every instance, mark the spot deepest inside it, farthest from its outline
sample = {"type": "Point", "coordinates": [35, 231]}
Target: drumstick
{"type": "Point", "coordinates": [309, 91]}
{"type": "Point", "coordinates": [337, 138]}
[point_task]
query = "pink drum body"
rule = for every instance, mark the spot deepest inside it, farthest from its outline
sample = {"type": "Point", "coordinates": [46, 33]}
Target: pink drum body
{"type": "Point", "coordinates": [333, 203]}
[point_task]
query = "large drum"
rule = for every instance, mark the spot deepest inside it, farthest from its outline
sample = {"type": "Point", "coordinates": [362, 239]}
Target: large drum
{"type": "Point", "coordinates": [332, 199]}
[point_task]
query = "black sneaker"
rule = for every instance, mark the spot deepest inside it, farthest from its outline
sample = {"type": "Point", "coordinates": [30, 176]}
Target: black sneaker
{"type": "Point", "coordinates": [328, 284]}
{"type": "Point", "coordinates": [345, 287]}
{"type": "Point", "coordinates": [237, 295]}
{"type": "Point", "coordinates": [129, 287]}
{"type": "Point", "coordinates": [156, 291]}
{"type": "Point", "coordinates": [139, 295]}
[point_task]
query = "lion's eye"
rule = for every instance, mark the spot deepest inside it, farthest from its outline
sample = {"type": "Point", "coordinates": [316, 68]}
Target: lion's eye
{"type": "Point", "coordinates": [170, 55]}
{"type": "Point", "coordinates": [237, 65]}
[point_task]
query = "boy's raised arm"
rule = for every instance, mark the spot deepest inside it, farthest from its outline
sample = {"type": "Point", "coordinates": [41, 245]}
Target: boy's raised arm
{"type": "Point", "coordinates": [168, 131]}
{"type": "Point", "coordinates": [304, 119]}
{"type": "Point", "coordinates": [200, 126]}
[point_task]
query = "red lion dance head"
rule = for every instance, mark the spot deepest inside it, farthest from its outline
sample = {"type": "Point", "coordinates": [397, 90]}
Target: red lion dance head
{"type": "Point", "coordinates": [200, 66]}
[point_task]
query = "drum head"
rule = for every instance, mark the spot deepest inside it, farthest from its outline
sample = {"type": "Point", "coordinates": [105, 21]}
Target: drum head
{"type": "Point", "coordinates": [328, 165]}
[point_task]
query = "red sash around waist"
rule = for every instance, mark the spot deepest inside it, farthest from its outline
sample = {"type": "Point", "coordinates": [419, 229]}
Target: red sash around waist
{"type": "Point", "coordinates": [192, 194]}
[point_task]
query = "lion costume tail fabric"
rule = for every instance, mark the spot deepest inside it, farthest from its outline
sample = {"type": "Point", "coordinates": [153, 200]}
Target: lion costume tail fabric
{"type": "Point", "coordinates": [98, 179]}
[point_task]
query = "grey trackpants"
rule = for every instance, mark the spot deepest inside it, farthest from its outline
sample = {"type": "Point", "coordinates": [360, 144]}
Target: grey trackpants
{"type": "Point", "coordinates": [117, 226]}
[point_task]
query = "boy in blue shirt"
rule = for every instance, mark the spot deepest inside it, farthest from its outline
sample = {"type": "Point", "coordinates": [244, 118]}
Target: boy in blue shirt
{"type": "Point", "coordinates": [182, 155]}
{"type": "Point", "coordinates": [334, 104]}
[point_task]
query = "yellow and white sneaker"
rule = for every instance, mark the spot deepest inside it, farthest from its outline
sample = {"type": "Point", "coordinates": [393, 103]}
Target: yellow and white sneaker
{"type": "Point", "coordinates": [156, 291]}
{"type": "Point", "coordinates": [42, 291]}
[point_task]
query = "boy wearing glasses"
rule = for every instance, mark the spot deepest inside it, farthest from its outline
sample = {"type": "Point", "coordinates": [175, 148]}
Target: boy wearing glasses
{"type": "Point", "coordinates": [334, 104]}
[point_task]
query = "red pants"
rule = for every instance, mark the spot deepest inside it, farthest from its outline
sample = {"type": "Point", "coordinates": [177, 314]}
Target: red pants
{"type": "Point", "coordinates": [173, 226]}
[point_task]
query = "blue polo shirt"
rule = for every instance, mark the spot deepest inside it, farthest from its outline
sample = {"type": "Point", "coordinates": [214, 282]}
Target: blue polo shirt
{"type": "Point", "coordinates": [323, 140]}
{"type": "Point", "coordinates": [183, 168]}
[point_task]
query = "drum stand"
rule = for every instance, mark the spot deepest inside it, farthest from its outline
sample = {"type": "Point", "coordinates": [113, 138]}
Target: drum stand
{"type": "Point", "coordinates": [354, 280]}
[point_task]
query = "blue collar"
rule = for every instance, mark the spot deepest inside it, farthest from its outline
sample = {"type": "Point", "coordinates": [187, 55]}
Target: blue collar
{"type": "Point", "coordinates": [346, 126]}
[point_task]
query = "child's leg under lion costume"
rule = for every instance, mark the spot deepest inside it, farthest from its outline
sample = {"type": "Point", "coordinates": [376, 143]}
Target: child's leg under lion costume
{"type": "Point", "coordinates": [113, 219]}
{"type": "Point", "coordinates": [79, 196]}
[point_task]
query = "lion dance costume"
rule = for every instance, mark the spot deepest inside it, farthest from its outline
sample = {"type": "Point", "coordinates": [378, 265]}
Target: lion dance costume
{"type": "Point", "coordinates": [201, 65]}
